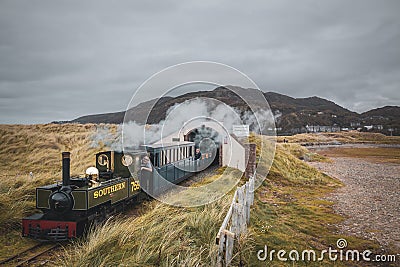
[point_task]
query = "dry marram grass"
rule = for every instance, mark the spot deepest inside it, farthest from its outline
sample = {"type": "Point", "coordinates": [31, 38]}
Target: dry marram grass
{"type": "Point", "coordinates": [289, 210]}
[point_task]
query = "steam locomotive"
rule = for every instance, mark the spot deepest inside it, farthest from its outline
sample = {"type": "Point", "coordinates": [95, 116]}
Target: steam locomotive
{"type": "Point", "coordinates": [117, 181]}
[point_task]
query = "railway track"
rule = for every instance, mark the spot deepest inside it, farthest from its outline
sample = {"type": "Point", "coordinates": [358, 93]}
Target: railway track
{"type": "Point", "coordinates": [28, 256]}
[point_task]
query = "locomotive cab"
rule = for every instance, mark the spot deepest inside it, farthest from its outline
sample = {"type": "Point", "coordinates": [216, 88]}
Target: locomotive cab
{"type": "Point", "coordinates": [112, 164]}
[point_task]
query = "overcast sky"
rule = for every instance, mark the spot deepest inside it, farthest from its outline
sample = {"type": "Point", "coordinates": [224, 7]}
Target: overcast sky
{"type": "Point", "coordinates": [63, 59]}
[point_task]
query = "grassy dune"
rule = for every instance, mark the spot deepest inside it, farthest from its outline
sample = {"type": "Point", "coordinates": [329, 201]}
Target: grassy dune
{"type": "Point", "coordinates": [36, 149]}
{"type": "Point", "coordinates": [342, 137]}
{"type": "Point", "coordinates": [289, 210]}
{"type": "Point", "coordinates": [163, 235]}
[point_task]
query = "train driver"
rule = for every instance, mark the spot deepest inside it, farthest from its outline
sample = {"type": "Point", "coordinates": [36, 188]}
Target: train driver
{"type": "Point", "coordinates": [92, 175]}
{"type": "Point", "coordinates": [93, 181]}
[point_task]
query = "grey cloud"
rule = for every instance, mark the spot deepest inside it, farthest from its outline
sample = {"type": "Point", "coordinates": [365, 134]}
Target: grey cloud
{"type": "Point", "coordinates": [60, 59]}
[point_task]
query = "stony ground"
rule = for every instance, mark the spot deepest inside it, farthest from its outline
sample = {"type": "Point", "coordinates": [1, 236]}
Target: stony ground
{"type": "Point", "coordinates": [370, 199]}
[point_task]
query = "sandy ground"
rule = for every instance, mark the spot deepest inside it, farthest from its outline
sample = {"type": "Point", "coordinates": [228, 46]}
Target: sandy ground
{"type": "Point", "coordinates": [370, 199]}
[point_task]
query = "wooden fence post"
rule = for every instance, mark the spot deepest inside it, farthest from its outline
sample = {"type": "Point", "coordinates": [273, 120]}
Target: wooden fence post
{"type": "Point", "coordinates": [252, 190]}
{"type": "Point", "coordinates": [229, 247]}
{"type": "Point", "coordinates": [234, 220]}
{"type": "Point", "coordinates": [221, 250]}
{"type": "Point", "coordinates": [238, 217]}
{"type": "Point", "coordinates": [247, 201]}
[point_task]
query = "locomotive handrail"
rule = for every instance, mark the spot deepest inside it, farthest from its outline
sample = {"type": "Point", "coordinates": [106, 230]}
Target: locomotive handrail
{"type": "Point", "coordinates": [107, 182]}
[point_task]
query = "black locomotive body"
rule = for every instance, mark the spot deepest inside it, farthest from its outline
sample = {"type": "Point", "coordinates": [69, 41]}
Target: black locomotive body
{"type": "Point", "coordinates": [68, 209]}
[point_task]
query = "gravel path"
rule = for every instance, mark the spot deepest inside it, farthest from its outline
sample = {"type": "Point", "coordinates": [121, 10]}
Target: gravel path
{"type": "Point", "coordinates": [370, 201]}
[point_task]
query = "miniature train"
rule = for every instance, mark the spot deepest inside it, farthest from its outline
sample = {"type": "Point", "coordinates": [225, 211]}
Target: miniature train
{"type": "Point", "coordinates": [68, 209]}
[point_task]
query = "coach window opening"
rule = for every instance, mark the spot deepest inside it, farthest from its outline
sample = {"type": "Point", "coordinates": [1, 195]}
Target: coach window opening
{"type": "Point", "coordinates": [155, 159]}
{"type": "Point", "coordinates": [152, 158]}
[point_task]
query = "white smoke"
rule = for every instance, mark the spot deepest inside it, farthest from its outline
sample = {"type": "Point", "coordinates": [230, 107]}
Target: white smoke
{"type": "Point", "coordinates": [177, 116]}
{"type": "Point", "coordinates": [258, 120]}
{"type": "Point", "coordinates": [277, 115]}
{"type": "Point", "coordinates": [105, 136]}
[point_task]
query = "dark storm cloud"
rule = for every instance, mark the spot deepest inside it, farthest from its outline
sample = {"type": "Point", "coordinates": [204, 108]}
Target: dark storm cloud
{"type": "Point", "coordinates": [63, 59]}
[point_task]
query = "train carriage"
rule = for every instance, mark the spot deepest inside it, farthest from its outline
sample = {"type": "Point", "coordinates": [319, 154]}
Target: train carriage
{"type": "Point", "coordinates": [173, 163]}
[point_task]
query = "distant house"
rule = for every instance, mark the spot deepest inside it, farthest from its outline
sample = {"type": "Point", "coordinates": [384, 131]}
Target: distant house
{"type": "Point", "coordinates": [322, 128]}
{"type": "Point", "coordinates": [368, 127]}
{"type": "Point", "coordinates": [373, 127]}
{"type": "Point", "coordinates": [275, 129]}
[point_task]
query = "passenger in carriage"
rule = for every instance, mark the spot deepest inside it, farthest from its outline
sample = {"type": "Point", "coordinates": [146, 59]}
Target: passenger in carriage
{"type": "Point", "coordinates": [146, 165]}
{"type": "Point", "coordinates": [197, 154]}
{"type": "Point", "coordinates": [146, 177]}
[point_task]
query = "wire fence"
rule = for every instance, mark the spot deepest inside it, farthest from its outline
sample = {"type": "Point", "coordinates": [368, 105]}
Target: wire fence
{"type": "Point", "coordinates": [235, 222]}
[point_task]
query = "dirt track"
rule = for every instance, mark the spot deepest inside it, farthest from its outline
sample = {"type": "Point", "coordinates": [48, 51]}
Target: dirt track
{"type": "Point", "coordinates": [370, 201]}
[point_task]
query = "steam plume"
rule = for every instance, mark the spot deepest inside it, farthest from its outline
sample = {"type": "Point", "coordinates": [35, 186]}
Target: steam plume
{"type": "Point", "coordinates": [136, 134]}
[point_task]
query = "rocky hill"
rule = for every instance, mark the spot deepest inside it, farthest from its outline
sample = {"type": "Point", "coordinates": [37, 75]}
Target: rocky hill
{"type": "Point", "coordinates": [292, 114]}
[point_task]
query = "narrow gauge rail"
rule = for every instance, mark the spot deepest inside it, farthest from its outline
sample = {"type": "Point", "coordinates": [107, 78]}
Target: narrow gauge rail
{"type": "Point", "coordinates": [26, 257]}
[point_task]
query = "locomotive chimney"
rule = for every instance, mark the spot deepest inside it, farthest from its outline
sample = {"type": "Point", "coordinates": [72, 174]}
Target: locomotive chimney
{"type": "Point", "coordinates": [65, 169]}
